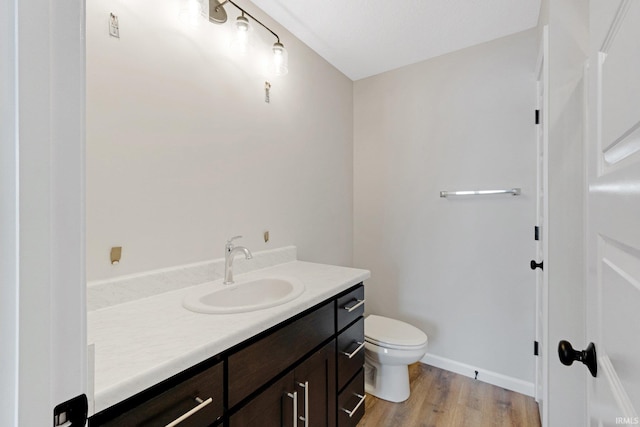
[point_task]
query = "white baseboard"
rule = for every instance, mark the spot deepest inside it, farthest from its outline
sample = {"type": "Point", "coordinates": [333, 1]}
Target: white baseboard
{"type": "Point", "coordinates": [490, 377]}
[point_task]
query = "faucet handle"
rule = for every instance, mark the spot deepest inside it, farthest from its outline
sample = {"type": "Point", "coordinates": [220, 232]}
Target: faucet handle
{"type": "Point", "coordinates": [229, 245]}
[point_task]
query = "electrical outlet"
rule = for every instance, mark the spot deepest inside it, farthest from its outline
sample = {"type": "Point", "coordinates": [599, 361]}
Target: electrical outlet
{"type": "Point", "coordinates": [114, 27]}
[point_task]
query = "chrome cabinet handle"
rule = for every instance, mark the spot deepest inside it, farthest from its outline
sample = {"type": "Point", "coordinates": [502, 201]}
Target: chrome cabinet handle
{"type": "Point", "coordinates": [202, 404]}
{"type": "Point", "coordinates": [294, 396]}
{"type": "Point", "coordinates": [305, 386]}
{"type": "Point", "coordinates": [353, 411]}
{"type": "Point", "coordinates": [359, 302]}
{"type": "Point", "coordinates": [353, 353]}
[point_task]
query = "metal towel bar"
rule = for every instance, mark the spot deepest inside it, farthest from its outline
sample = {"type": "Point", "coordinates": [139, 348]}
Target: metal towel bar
{"type": "Point", "coordinates": [512, 191]}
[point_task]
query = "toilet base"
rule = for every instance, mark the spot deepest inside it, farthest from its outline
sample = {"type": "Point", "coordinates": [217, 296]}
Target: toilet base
{"type": "Point", "coordinates": [387, 382]}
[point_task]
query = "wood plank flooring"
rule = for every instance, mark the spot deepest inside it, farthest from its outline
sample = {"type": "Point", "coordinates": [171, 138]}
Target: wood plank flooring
{"type": "Point", "coordinates": [443, 399]}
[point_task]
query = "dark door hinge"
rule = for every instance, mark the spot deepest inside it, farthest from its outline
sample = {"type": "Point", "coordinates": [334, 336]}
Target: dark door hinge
{"type": "Point", "coordinates": [537, 117]}
{"type": "Point", "coordinates": [536, 233]}
{"type": "Point", "coordinates": [73, 411]}
{"type": "Point", "coordinates": [535, 348]}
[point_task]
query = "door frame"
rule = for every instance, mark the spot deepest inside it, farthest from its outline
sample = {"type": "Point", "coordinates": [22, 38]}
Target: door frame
{"type": "Point", "coordinates": [43, 52]}
{"type": "Point", "coordinates": [542, 211]}
{"type": "Point", "coordinates": [8, 218]}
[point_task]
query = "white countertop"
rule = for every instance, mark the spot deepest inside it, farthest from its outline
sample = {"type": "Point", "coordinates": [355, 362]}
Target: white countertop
{"type": "Point", "coordinates": [142, 342]}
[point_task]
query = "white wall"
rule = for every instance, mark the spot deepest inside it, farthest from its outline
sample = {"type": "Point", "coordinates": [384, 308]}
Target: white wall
{"type": "Point", "coordinates": [183, 152]}
{"type": "Point", "coordinates": [456, 268]}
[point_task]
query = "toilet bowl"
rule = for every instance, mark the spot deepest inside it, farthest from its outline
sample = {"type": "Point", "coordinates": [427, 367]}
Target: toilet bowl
{"type": "Point", "coordinates": [390, 346]}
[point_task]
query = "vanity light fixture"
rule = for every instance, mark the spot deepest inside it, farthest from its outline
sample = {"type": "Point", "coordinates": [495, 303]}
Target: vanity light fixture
{"type": "Point", "coordinates": [218, 15]}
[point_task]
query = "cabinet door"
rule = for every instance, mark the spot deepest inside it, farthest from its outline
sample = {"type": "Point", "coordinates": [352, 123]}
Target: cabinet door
{"type": "Point", "coordinates": [274, 407]}
{"type": "Point", "coordinates": [315, 382]}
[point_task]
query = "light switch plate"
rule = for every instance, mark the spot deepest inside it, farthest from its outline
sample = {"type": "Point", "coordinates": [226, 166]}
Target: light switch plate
{"type": "Point", "coordinates": [267, 94]}
{"type": "Point", "coordinates": [114, 27]}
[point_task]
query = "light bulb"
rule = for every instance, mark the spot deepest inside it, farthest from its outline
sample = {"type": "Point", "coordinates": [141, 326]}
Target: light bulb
{"type": "Point", "coordinates": [242, 24]}
{"type": "Point", "coordinates": [280, 59]}
{"type": "Point", "coordinates": [240, 43]}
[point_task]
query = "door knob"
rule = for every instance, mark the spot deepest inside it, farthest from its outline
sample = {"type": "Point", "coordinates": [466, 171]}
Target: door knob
{"type": "Point", "coordinates": [567, 355]}
{"type": "Point", "coordinates": [535, 265]}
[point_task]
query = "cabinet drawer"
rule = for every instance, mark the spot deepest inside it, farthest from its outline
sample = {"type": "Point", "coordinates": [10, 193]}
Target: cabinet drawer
{"type": "Point", "coordinates": [261, 361]}
{"type": "Point", "coordinates": [351, 402]}
{"type": "Point", "coordinates": [349, 307]}
{"type": "Point", "coordinates": [350, 352]}
{"type": "Point", "coordinates": [177, 401]}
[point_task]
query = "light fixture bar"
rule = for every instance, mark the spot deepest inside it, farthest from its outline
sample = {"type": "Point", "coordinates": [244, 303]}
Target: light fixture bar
{"type": "Point", "coordinates": [250, 16]}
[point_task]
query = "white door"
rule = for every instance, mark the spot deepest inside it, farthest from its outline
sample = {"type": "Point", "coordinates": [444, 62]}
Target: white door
{"type": "Point", "coordinates": [613, 212]}
{"type": "Point", "coordinates": [44, 319]}
{"type": "Point", "coordinates": [541, 217]}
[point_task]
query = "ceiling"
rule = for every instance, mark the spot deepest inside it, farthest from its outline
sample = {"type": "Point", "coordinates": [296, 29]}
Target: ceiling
{"type": "Point", "coordinates": [362, 38]}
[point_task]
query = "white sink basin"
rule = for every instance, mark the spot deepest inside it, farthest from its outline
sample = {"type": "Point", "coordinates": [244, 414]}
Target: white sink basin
{"type": "Point", "coordinates": [243, 296]}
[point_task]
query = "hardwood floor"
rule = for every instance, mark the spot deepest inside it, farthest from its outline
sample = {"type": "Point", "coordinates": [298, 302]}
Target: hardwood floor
{"type": "Point", "coordinates": [443, 399]}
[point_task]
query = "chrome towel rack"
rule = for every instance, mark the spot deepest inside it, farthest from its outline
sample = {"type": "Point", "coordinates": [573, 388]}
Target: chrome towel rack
{"type": "Point", "coordinates": [512, 191]}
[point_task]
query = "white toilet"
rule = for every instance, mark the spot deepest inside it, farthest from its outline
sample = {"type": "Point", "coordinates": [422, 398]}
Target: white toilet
{"type": "Point", "coordinates": [390, 346]}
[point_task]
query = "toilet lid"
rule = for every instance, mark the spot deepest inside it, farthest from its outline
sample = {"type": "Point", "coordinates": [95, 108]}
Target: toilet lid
{"type": "Point", "coordinates": [382, 330]}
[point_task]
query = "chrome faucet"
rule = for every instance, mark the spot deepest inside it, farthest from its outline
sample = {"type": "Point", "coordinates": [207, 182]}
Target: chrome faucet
{"type": "Point", "coordinates": [229, 253]}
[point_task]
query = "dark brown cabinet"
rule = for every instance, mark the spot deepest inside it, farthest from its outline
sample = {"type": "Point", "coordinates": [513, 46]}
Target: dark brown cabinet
{"type": "Point", "coordinates": [351, 402]}
{"type": "Point", "coordinates": [350, 357]}
{"type": "Point", "coordinates": [315, 381]}
{"type": "Point", "coordinates": [306, 371]}
{"type": "Point", "coordinates": [197, 400]}
{"type": "Point", "coordinates": [307, 394]}
{"type": "Point", "coordinates": [274, 407]}
{"type": "Point", "coordinates": [349, 307]}
{"type": "Point", "coordinates": [254, 364]}
{"type": "Point", "coordinates": [350, 352]}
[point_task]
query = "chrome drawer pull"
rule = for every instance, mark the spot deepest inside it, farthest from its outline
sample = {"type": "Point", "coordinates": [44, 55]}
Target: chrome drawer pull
{"type": "Point", "coordinates": [202, 404]}
{"type": "Point", "coordinates": [350, 355]}
{"type": "Point", "coordinates": [294, 396]}
{"type": "Point", "coordinates": [305, 386]}
{"type": "Point", "coordinates": [353, 307]}
{"type": "Point", "coordinates": [353, 411]}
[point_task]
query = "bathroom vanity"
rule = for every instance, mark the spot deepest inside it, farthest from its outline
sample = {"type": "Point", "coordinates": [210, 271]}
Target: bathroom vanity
{"type": "Point", "coordinates": [299, 364]}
